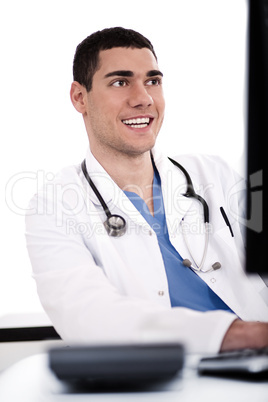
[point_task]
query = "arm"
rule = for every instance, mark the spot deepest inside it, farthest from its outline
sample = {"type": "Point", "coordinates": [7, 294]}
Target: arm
{"type": "Point", "coordinates": [243, 335]}
{"type": "Point", "coordinates": [85, 306]}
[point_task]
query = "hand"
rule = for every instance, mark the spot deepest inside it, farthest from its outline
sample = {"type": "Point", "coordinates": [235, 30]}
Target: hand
{"type": "Point", "coordinates": [245, 335]}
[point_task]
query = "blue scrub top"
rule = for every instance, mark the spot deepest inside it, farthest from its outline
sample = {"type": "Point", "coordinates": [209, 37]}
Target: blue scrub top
{"type": "Point", "coordinates": [186, 288]}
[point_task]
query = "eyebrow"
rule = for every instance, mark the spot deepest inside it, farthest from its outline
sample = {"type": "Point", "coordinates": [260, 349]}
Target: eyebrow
{"type": "Point", "coordinates": [128, 73]}
{"type": "Point", "coordinates": [153, 73]}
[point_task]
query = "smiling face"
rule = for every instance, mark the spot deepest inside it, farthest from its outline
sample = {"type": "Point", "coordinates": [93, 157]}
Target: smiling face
{"type": "Point", "coordinates": [124, 110]}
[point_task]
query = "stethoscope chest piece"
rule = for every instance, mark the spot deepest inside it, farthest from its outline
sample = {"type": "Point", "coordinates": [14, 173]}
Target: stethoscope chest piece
{"type": "Point", "coordinates": [115, 226]}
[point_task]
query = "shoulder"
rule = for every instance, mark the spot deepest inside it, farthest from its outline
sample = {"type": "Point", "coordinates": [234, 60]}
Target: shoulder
{"type": "Point", "coordinates": [208, 168]}
{"type": "Point", "coordinates": [68, 175]}
{"type": "Point", "coordinates": [196, 162]}
{"type": "Point", "coordinates": [62, 186]}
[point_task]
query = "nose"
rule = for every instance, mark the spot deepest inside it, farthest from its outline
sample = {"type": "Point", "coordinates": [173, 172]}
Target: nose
{"type": "Point", "coordinates": [139, 97]}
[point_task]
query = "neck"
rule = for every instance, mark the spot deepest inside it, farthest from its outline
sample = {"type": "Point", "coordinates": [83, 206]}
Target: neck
{"type": "Point", "coordinates": [132, 173]}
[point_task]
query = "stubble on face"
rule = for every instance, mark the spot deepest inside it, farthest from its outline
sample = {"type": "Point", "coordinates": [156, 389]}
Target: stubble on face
{"type": "Point", "coordinates": [107, 106]}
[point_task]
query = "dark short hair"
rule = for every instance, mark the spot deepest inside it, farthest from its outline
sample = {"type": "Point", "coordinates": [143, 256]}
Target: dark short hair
{"type": "Point", "coordinates": [86, 59]}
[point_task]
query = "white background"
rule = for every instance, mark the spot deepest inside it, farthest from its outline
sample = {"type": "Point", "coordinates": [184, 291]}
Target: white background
{"type": "Point", "coordinates": [201, 50]}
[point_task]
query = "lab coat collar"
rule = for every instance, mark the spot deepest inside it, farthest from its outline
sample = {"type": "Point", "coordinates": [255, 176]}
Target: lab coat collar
{"type": "Point", "coordinates": [100, 178]}
{"type": "Point", "coordinates": [174, 186]}
{"type": "Point", "coordinates": [172, 179]}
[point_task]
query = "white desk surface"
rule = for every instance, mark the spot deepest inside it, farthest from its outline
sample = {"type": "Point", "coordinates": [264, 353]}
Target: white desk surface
{"type": "Point", "coordinates": [30, 380]}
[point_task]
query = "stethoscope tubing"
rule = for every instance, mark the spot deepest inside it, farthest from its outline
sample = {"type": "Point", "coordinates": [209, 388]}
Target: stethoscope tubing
{"type": "Point", "coordinates": [115, 225]}
{"type": "Point", "coordinates": [190, 192]}
{"type": "Point", "coordinates": [96, 191]}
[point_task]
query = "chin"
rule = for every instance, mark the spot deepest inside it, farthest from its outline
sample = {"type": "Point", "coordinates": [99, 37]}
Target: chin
{"type": "Point", "coordinates": [139, 150]}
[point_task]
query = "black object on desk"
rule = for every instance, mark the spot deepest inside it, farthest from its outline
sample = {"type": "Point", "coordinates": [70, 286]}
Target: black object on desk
{"type": "Point", "coordinates": [117, 365]}
{"type": "Point", "coordinates": [247, 363]}
{"type": "Point", "coordinates": [22, 334]}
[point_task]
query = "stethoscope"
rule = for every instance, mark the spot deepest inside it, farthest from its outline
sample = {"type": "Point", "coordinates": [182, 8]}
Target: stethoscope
{"type": "Point", "coordinates": [115, 225]}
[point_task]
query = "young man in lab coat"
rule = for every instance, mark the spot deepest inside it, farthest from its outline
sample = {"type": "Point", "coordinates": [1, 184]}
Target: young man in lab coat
{"type": "Point", "coordinates": [135, 287]}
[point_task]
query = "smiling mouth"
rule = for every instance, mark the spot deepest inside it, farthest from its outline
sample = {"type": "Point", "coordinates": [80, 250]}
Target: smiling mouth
{"type": "Point", "coordinates": [140, 122]}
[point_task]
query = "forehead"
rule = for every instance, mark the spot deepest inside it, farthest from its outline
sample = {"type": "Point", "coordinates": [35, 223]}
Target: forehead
{"type": "Point", "coordinates": [119, 58]}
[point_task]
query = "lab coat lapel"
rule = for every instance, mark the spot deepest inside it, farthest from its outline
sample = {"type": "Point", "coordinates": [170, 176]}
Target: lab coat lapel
{"type": "Point", "coordinates": [223, 281]}
{"type": "Point", "coordinates": [220, 246]}
{"type": "Point", "coordinates": [174, 186]}
{"type": "Point", "coordinates": [178, 208]}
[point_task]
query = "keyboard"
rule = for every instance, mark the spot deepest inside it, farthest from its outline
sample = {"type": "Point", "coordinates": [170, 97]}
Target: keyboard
{"type": "Point", "coordinates": [245, 362]}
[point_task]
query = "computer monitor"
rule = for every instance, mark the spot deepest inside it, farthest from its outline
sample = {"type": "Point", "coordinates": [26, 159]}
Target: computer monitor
{"type": "Point", "coordinates": [257, 138]}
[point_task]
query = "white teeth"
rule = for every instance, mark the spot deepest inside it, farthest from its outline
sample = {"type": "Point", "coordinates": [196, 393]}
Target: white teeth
{"type": "Point", "coordinates": [143, 121]}
{"type": "Point", "coordinates": [138, 125]}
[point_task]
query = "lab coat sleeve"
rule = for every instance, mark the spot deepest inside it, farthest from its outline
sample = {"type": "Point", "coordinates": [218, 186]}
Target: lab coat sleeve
{"type": "Point", "coordinates": [85, 307]}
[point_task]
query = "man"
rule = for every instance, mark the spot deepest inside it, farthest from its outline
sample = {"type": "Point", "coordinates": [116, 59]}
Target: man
{"type": "Point", "coordinates": [97, 286]}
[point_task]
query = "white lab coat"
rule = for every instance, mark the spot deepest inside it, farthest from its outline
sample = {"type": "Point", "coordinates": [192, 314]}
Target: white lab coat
{"type": "Point", "coordinates": [97, 288]}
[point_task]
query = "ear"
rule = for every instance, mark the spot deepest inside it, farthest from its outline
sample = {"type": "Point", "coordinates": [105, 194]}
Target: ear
{"type": "Point", "coordinates": [77, 94]}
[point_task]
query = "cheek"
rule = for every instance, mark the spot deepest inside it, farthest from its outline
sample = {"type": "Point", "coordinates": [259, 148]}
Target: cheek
{"type": "Point", "coordinates": [160, 101]}
{"type": "Point", "coordinates": [161, 108]}
{"type": "Point", "coordinates": [109, 110]}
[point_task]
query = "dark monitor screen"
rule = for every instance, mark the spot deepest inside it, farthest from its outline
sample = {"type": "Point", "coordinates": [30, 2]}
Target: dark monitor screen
{"type": "Point", "coordinates": [257, 138]}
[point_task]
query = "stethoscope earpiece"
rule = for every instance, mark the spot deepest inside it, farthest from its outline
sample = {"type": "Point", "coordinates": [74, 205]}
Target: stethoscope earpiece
{"type": "Point", "coordinates": [187, 263]}
{"type": "Point", "coordinates": [216, 265]}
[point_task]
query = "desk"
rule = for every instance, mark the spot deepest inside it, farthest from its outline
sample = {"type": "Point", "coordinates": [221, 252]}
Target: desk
{"type": "Point", "coordinates": [22, 335]}
{"type": "Point", "coordinates": [30, 380]}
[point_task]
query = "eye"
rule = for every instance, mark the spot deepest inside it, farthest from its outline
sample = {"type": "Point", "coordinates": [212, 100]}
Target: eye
{"type": "Point", "coordinates": [154, 82]}
{"type": "Point", "coordinates": [119, 83]}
